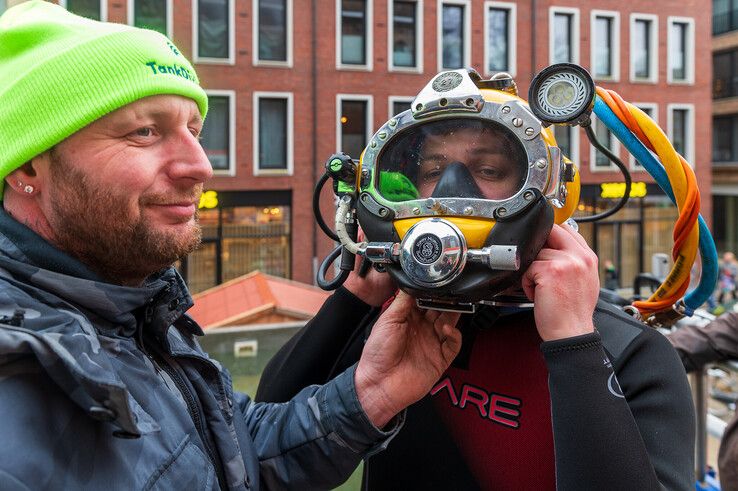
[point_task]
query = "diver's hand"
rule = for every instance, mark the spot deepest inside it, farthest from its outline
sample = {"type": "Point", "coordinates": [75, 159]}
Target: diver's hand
{"type": "Point", "coordinates": [407, 352]}
{"type": "Point", "coordinates": [564, 283]}
{"type": "Point", "coordinates": [374, 288]}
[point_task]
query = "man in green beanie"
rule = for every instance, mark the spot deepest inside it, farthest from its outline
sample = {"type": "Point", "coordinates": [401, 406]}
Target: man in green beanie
{"type": "Point", "coordinates": [102, 381]}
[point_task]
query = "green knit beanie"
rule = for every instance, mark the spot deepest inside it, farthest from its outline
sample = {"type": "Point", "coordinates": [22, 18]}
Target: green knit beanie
{"type": "Point", "coordinates": [60, 72]}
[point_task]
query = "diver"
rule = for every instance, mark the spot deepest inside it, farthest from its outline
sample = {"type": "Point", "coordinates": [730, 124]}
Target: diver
{"type": "Point", "coordinates": [465, 201]}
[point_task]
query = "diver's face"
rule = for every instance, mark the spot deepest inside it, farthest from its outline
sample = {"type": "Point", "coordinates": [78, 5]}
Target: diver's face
{"type": "Point", "coordinates": [483, 152]}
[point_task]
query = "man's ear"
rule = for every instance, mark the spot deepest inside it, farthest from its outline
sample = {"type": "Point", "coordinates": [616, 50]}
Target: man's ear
{"type": "Point", "coordinates": [25, 179]}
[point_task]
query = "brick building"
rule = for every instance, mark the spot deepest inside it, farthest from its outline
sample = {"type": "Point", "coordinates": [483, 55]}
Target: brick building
{"type": "Point", "coordinates": [725, 123]}
{"type": "Point", "coordinates": [292, 81]}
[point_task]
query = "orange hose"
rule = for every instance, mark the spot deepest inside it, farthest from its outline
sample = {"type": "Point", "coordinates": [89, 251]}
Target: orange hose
{"type": "Point", "coordinates": [688, 212]}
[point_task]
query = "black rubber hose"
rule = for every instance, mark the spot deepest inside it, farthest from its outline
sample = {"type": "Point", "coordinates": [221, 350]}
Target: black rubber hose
{"type": "Point", "coordinates": [316, 208]}
{"type": "Point", "coordinates": [323, 269]}
{"type": "Point", "coordinates": [626, 176]}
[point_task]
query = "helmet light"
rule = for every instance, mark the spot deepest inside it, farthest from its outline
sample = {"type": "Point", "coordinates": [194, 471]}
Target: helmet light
{"type": "Point", "coordinates": [562, 94]}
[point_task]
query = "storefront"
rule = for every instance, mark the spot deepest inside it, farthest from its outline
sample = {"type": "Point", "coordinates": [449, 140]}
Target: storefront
{"type": "Point", "coordinates": [242, 231]}
{"type": "Point", "coordinates": [630, 237]}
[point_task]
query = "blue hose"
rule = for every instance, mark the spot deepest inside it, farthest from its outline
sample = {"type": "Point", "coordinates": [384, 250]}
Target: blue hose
{"type": "Point", "coordinates": [708, 252]}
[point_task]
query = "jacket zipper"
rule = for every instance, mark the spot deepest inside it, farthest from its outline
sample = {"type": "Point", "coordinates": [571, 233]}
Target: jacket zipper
{"type": "Point", "coordinates": [192, 406]}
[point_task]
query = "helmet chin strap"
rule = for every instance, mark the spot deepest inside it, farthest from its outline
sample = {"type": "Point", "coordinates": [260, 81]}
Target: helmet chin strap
{"type": "Point", "coordinates": [512, 297]}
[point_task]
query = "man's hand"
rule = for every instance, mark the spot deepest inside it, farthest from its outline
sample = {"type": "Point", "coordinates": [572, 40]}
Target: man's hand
{"type": "Point", "coordinates": [407, 352]}
{"type": "Point", "coordinates": [374, 288]}
{"type": "Point", "coordinates": [564, 283]}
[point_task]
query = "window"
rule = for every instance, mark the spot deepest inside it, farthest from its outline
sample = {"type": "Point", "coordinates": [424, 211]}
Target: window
{"type": "Point", "coordinates": [273, 137]}
{"type": "Point", "coordinates": [92, 9]}
{"type": "Point", "coordinates": [151, 14]}
{"type": "Point", "coordinates": [725, 74]}
{"type": "Point", "coordinates": [681, 50]}
{"type": "Point", "coordinates": [273, 32]}
{"type": "Point", "coordinates": [598, 160]}
{"type": "Point", "coordinates": [212, 21]}
{"type": "Point", "coordinates": [500, 53]}
{"type": "Point", "coordinates": [405, 35]}
{"type": "Point", "coordinates": [218, 134]}
{"type": "Point", "coordinates": [681, 129]}
{"type": "Point", "coordinates": [567, 139]}
{"type": "Point", "coordinates": [454, 34]}
{"type": "Point", "coordinates": [563, 35]}
{"type": "Point", "coordinates": [643, 48]}
{"type": "Point", "coordinates": [605, 56]}
{"type": "Point", "coordinates": [354, 33]}
{"type": "Point", "coordinates": [651, 110]}
{"type": "Point", "coordinates": [724, 16]}
{"type": "Point", "coordinates": [354, 123]}
{"type": "Point", "coordinates": [725, 138]}
{"type": "Point", "coordinates": [399, 104]}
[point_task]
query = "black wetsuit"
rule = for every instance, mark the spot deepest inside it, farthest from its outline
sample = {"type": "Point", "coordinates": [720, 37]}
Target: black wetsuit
{"type": "Point", "coordinates": [515, 413]}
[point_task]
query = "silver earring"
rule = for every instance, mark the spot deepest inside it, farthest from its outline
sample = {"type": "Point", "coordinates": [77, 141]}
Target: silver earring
{"type": "Point", "coordinates": [28, 189]}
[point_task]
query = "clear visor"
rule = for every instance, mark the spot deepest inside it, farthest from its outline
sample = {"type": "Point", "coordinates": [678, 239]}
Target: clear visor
{"type": "Point", "coordinates": [452, 158]}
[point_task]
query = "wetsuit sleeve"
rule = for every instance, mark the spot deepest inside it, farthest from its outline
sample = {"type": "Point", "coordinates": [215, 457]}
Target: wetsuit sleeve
{"type": "Point", "coordinates": [716, 341]}
{"type": "Point", "coordinates": [623, 425]}
{"type": "Point", "coordinates": [312, 356]}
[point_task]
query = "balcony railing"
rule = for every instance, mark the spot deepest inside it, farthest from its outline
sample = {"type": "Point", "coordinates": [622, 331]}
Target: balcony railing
{"type": "Point", "coordinates": [725, 22]}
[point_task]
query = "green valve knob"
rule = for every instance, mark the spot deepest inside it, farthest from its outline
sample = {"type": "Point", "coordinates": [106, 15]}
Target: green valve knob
{"type": "Point", "coordinates": [336, 165]}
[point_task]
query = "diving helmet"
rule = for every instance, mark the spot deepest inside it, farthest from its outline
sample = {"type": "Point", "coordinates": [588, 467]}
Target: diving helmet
{"type": "Point", "coordinates": [457, 195]}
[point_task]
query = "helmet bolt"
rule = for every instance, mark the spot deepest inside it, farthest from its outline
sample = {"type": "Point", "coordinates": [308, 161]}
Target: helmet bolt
{"type": "Point", "coordinates": [541, 163]}
{"type": "Point", "coordinates": [517, 122]}
{"type": "Point", "coordinates": [383, 212]}
{"type": "Point", "coordinates": [468, 210]}
{"type": "Point", "coordinates": [529, 131]}
{"type": "Point", "coordinates": [501, 211]}
{"type": "Point", "coordinates": [528, 195]}
{"type": "Point", "coordinates": [505, 109]}
{"type": "Point", "coordinates": [416, 211]}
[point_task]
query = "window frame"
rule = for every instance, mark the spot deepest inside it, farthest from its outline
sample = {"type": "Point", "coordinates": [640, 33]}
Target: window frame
{"type": "Point", "coordinates": [688, 50]}
{"type": "Point", "coordinates": [369, 65]}
{"type": "Point", "coordinates": [614, 148]}
{"type": "Point", "coordinates": [512, 35]}
{"type": "Point", "coordinates": [653, 47]}
{"type": "Point", "coordinates": [654, 107]}
{"type": "Point", "coordinates": [231, 94]}
{"type": "Point", "coordinates": [396, 98]}
{"type": "Point", "coordinates": [63, 3]}
{"type": "Point", "coordinates": [575, 34]}
{"type": "Point", "coordinates": [231, 59]}
{"type": "Point", "coordinates": [290, 154]}
{"type": "Point", "coordinates": [255, 38]}
{"type": "Point", "coordinates": [614, 16]}
{"type": "Point", "coordinates": [439, 32]}
{"type": "Point", "coordinates": [690, 130]}
{"type": "Point", "coordinates": [369, 99]}
{"type": "Point", "coordinates": [419, 52]}
{"type": "Point", "coordinates": [131, 12]}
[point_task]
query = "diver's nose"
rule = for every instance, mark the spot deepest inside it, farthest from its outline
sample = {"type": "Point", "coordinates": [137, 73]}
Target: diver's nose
{"type": "Point", "coordinates": [457, 182]}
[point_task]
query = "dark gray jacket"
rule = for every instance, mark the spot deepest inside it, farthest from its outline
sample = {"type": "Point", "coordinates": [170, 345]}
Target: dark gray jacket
{"type": "Point", "coordinates": [106, 387]}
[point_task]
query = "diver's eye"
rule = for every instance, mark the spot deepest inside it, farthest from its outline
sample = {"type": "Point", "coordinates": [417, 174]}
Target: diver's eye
{"type": "Point", "coordinates": [490, 172]}
{"type": "Point", "coordinates": [431, 174]}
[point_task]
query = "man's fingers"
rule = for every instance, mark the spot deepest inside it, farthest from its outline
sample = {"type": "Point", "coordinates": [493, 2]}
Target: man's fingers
{"type": "Point", "coordinates": [561, 239]}
{"type": "Point", "coordinates": [574, 233]}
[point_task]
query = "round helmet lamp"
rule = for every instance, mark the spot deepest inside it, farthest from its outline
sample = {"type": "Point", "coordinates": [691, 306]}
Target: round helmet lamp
{"type": "Point", "coordinates": [562, 94]}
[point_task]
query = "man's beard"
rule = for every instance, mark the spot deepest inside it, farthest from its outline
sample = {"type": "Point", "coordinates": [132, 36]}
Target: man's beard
{"type": "Point", "coordinates": [97, 227]}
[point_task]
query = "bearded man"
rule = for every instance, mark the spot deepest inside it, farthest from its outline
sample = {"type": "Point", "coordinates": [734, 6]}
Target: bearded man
{"type": "Point", "coordinates": [102, 381]}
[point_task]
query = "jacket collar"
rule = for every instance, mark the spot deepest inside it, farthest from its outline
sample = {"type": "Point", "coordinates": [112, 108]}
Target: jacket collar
{"type": "Point", "coordinates": [67, 289]}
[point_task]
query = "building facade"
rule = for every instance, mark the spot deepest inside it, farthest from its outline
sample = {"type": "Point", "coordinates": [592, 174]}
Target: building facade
{"type": "Point", "coordinates": [293, 81]}
{"type": "Point", "coordinates": [725, 123]}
